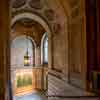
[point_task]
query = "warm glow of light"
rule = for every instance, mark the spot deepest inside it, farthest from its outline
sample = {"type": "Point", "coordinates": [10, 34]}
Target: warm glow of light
{"type": "Point", "coordinates": [26, 60]}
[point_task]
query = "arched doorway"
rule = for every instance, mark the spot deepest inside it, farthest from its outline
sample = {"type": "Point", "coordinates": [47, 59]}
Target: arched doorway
{"type": "Point", "coordinates": [20, 45]}
{"type": "Point", "coordinates": [43, 24]}
{"type": "Point", "coordinates": [38, 72]}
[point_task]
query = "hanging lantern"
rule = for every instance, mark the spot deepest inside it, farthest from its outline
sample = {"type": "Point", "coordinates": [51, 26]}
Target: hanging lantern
{"type": "Point", "coordinates": [27, 57]}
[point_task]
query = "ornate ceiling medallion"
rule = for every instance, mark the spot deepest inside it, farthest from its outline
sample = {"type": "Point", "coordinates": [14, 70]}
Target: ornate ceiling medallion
{"type": "Point", "coordinates": [36, 4]}
{"type": "Point", "coordinates": [49, 14]}
{"type": "Point", "coordinates": [18, 3]}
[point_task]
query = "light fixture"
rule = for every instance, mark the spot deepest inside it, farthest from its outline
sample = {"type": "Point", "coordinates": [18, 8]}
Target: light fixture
{"type": "Point", "coordinates": [26, 56]}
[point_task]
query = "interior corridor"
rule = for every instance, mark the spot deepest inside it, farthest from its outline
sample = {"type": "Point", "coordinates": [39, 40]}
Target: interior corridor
{"type": "Point", "coordinates": [50, 49]}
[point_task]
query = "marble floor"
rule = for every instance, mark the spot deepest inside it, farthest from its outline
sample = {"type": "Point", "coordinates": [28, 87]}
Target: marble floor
{"type": "Point", "coordinates": [37, 97]}
{"type": "Point", "coordinates": [57, 87]}
{"type": "Point", "coordinates": [59, 90]}
{"type": "Point", "coordinates": [31, 96]}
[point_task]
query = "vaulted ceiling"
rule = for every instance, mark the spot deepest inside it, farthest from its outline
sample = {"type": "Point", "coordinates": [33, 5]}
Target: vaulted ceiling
{"type": "Point", "coordinates": [28, 27]}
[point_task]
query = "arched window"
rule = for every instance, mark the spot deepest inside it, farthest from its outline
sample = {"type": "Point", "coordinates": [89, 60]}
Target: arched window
{"type": "Point", "coordinates": [18, 50]}
{"type": "Point", "coordinates": [45, 50]}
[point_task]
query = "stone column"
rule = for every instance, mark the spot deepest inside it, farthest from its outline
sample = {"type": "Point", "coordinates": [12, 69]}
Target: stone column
{"type": "Point", "coordinates": [50, 51]}
{"type": "Point", "coordinates": [38, 56]}
{"type": "Point", "coordinates": [33, 56]}
{"type": "Point", "coordinates": [13, 80]}
{"type": "Point", "coordinates": [5, 85]}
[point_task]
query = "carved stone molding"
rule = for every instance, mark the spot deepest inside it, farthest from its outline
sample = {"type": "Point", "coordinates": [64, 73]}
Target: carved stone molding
{"type": "Point", "coordinates": [36, 4]}
{"type": "Point", "coordinates": [18, 3]}
{"type": "Point", "coordinates": [27, 22]}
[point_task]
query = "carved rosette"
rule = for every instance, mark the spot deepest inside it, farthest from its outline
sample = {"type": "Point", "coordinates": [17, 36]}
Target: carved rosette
{"type": "Point", "coordinates": [18, 3]}
{"type": "Point", "coordinates": [36, 4]}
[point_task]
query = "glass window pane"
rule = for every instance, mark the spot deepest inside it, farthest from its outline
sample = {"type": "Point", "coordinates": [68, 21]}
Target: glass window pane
{"type": "Point", "coordinates": [45, 50]}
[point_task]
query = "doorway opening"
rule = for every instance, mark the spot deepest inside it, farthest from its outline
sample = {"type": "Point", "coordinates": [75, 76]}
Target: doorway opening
{"type": "Point", "coordinates": [29, 81]}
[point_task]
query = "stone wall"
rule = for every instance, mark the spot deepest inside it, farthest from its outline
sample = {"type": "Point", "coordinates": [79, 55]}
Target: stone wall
{"type": "Point", "coordinates": [59, 35]}
{"type": "Point", "coordinates": [77, 43]}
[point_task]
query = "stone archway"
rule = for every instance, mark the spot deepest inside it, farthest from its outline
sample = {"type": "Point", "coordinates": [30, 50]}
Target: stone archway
{"type": "Point", "coordinates": [19, 47]}
{"type": "Point", "coordinates": [33, 44]}
{"type": "Point", "coordinates": [33, 17]}
{"type": "Point", "coordinates": [24, 36]}
{"type": "Point", "coordinates": [43, 23]}
{"type": "Point", "coordinates": [39, 20]}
